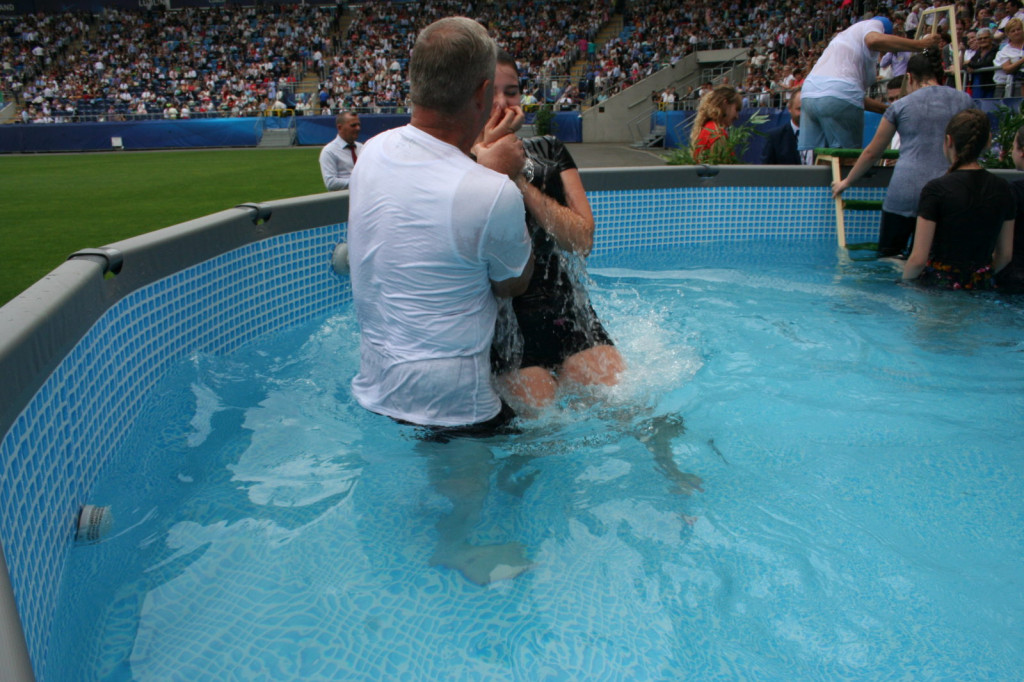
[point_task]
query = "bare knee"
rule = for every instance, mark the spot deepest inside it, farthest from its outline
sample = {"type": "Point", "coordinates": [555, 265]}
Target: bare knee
{"type": "Point", "coordinates": [600, 365]}
{"type": "Point", "coordinates": [531, 387]}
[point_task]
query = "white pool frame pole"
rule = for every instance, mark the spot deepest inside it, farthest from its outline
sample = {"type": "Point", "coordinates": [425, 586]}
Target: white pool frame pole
{"type": "Point", "coordinates": [16, 665]}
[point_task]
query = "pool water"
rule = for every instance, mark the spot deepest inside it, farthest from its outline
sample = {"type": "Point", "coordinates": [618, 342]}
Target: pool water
{"type": "Point", "coordinates": [857, 514]}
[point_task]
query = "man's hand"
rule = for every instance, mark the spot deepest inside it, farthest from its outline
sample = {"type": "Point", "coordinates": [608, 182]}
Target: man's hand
{"type": "Point", "coordinates": [931, 41]}
{"type": "Point", "coordinates": [506, 155]}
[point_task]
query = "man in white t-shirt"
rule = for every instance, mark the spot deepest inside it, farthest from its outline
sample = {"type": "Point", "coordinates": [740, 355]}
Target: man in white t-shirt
{"type": "Point", "coordinates": [835, 91]}
{"type": "Point", "coordinates": [433, 236]}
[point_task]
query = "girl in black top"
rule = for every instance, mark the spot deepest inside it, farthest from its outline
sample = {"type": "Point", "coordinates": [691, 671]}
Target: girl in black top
{"type": "Point", "coordinates": [965, 218]}
{"type": "Point", "coordinates": [552, 336]}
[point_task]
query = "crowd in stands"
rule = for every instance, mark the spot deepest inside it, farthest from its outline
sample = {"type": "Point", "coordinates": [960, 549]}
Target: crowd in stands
{"type": "Point", "coordinates": [193, 62]}
{"type": "Point", "coordinates": [232, 61]}
{"type": "Point", "coordinates": [369, 68]}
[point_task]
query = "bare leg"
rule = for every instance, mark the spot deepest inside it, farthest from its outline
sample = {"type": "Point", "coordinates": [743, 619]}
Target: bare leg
{"type": "Point", "coordinates": [600, 365]}
{"type": "Point", "coordinates": [528, 389]}
{"type": "Point", "coordinates": [460, 470]}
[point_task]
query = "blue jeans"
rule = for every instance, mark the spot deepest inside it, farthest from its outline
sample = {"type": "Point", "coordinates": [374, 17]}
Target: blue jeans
{"type": "Point", "coordinates": [830, 122]}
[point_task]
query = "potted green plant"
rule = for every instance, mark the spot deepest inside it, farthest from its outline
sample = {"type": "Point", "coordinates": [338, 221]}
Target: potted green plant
{"type": "Point", "coordinates": [544, 122]}
{"type": "Point", "coordinates": [726, 150]}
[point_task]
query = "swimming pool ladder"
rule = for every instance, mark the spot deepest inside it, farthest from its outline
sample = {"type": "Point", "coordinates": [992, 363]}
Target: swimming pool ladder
{"type": "Point", "coordinates": [835, 158]}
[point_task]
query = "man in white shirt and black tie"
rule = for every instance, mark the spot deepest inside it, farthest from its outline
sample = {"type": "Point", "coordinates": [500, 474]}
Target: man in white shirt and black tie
{"type": "Point", "coordinates": [339, 156]}
{"type": "Point", "coordinates": [780, 143]}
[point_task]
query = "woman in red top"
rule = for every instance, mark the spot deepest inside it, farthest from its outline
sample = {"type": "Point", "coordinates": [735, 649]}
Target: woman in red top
{"type": "Point", "coordinates": [717, 111]}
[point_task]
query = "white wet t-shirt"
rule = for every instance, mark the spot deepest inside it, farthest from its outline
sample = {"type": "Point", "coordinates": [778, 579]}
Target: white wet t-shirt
{"type": "Point", "coordinates": [428, 229]}
{"type": "Point", "coordinates": [847, 67]}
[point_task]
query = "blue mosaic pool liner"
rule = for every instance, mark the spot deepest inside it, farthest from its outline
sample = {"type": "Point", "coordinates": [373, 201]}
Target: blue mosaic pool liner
{"type": "Point", "coordinates": [58, 446]}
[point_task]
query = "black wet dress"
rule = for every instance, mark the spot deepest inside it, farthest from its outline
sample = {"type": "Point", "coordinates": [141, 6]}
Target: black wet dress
{"type": "Point", "coordinates": [553, 318]}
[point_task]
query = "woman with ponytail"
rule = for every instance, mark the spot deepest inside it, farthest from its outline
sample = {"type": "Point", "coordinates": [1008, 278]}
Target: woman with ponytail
{"type": "Point", "coordinates": [965, 219]}
{"type": "Point", "coordinates": [920, 118]}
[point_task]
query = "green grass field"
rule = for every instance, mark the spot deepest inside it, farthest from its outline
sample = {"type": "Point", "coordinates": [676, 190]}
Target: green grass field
{"type": "Point", "coordinates": [52, 205]}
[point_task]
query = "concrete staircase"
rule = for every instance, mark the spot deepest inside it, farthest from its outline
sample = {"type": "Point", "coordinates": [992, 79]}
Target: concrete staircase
{"type": "Point", "coordinates": [656, 138]}
{"type": "Point", "coordinates": [610, 30]}
{"type": "Point", "coordinates": [276, 138]}
{"type": "Point", "coordinates": [310, 83]}
{"type": "Point", "coordinates": [8, 112]}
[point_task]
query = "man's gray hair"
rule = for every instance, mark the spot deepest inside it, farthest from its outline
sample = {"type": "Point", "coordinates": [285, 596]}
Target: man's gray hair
{"type": "Point", "coordinates": [450, 59]}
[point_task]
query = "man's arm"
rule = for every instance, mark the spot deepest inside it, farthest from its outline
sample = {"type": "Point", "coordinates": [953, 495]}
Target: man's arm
{"type": "Point", "coordinates": [505, 156]}
{"type": "Point", "coordinates": [514, 286]}
{"type": "Point", "coordinates": [880, 42]}
{"type": "Point", "coordinates": [507, 243]}
{"type": "Point", "coordinates": [875, 105]}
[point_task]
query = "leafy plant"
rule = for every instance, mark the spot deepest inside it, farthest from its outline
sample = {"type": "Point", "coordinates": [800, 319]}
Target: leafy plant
{"type": "Point", "coordinates": [725, 150]}
{"type": "Point", "coordinates": [543, 123]}
{"type": "Point", "coordinates": [1008, 122]}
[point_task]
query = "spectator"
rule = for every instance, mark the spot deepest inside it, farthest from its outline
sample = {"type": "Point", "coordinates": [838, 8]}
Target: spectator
{"type": "Point", "coordinates": [894, 89]}
{"type": "Point", "coordinates": [1010, 57]}
{"type": "Point", "coordinates": [896, 62]}
{"type": "Point", "coordinates": [780, 144]}
{"type": "Point", "coordinates": [145, 51]}
{"type": "Point", "coordinates": [978, 68]}
{"type": "Point", "coordinates": [835, 92]}
{"type": "Point", "coordinates": [668, 98]}
{"type": "Point", "coordinates": [338, 158]}
{"type": "Point", "coordinates": [964, 231]}
{"type": "Point", "coordinates": [913, 18]}
{"type": "Point", "coordinates": [717, 111]}
{"type": "Point", "coordinates": [972, 46]}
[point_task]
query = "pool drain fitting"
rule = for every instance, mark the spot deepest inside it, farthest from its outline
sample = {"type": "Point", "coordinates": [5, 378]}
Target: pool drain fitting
{"type": "Point", "coordinates": [94, 523]}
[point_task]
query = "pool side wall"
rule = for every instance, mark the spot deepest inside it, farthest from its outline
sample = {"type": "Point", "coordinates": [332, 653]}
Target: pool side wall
{"type": "Point", "coordinates": [84, 347]}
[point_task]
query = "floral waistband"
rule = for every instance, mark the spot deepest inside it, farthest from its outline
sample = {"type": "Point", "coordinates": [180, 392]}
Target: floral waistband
{"type": "Point", "coordinates": [949, 276]}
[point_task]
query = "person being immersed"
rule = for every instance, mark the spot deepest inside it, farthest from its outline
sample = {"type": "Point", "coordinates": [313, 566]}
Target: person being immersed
{"type": "Point", "coordinates": [549, 335]}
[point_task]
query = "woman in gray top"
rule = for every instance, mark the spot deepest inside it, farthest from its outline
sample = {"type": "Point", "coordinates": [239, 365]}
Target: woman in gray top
{"type": "Point", "coordinates": [920, 118]}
